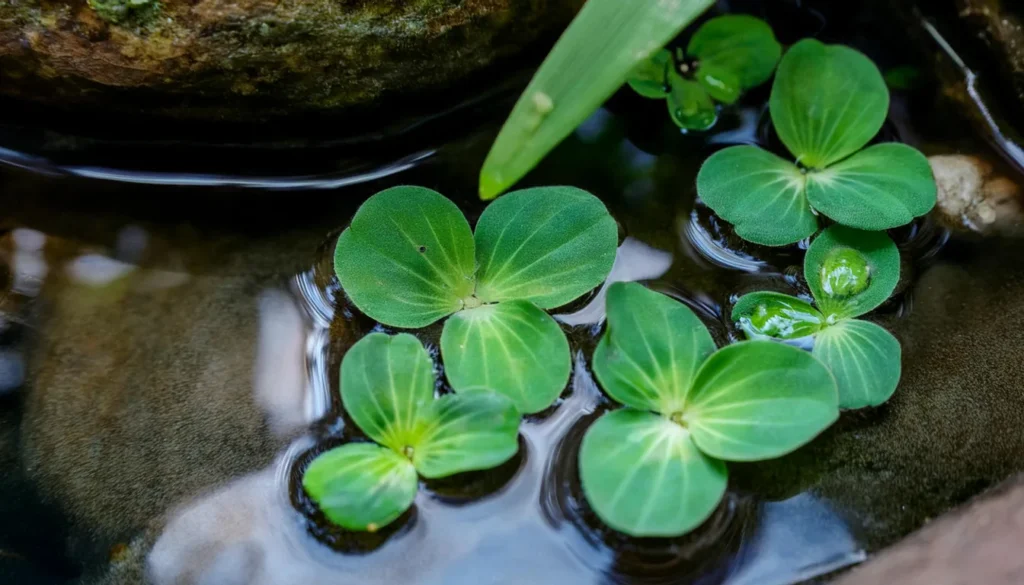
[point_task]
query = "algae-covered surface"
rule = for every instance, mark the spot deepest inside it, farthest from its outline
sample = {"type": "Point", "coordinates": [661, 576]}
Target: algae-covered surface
{"type": "Point", "coordinates": [257, 59]}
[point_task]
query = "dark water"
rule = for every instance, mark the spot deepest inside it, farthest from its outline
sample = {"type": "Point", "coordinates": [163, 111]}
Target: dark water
{"type": "Point", "coordinates": [169, 362]}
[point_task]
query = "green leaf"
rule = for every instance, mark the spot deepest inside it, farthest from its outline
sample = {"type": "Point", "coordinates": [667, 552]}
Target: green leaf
{"type": "Point", "coordinates": [467, 432]}
{"type": "Point", "coordinates": [737, 43]}
{"type": "Point", "coordinates": [407, 259]}
{"type": "Point", "coordinates": [387, 383]}
{"type": "Point", "coordinates": [547, 245]}
{"type": "Point", "coordinates": [758, 400]}
{"type": "Point", "coordinates": [649, 76]}
{"type": "Point", "coordinates": [773, 314]}
{"type": "Point", "coordinates": [512, 348]}
{"type": "Point", "coordinates": [828, 262]}
{"type": "Point", "coordinates": [879, 188]}
{"type": "Point", "coordinates": [719, 83]}
{"type": "Point", "coordinates": [643, 475]}
{"type": "Point", "coordinates": [361, 486]}
{"type": "Point", "coordinates": [689, 104]}
{"type": "Point", "coordinates": [652, 350]}
{"type": "Point", "coordinates": [827, 102]}
{"type": "Point", "coordinates": [759, 193]}
{"type": "Point", "coordinates": [864, 358]}
{"type": "Point", "coordinates": [588, 64]}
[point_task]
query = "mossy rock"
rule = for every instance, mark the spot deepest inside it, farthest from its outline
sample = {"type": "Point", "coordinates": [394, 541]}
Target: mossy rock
{"type": "Point", "coordinates": [257, 59]}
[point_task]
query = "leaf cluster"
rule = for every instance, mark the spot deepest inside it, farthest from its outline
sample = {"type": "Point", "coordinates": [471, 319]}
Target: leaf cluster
{"type": "Point", "coordinates": [656, 467]}
{"type": "Point", "coordinates": [850, 273]}
{"type": "Point", "coordinates": [725, 57]}
{"type": "Point", "coordinates": [827, 103]}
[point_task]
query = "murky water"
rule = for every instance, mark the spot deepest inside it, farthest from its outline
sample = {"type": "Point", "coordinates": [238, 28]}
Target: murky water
{"type": "Point", "coordinates": [169, 363]}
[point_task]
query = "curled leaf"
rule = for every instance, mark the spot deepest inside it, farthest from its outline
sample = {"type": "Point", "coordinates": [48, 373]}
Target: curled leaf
{"type": "Point", "coordinates": [772, 314]}
{"type": "Point", "coordinates": [826, 273]}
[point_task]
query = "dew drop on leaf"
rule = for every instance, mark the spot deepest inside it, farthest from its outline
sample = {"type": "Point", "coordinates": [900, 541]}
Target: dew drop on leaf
{"type": "Point", "coordinates": [781, 321]}
{"type": "Point", "coordinates": [844, 273]}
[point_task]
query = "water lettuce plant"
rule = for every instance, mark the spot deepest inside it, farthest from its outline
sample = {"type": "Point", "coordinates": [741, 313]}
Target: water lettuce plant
{"type": "Point", "coordinates": [410, 259]}
{"type": "Point", "coordinates": [589, 63]}
{"type": "Point", "coordinates": [656, 467]}
{"type": "Point", "coordinates": [387, 388]}
{"type": "Point", "coordinates": [850, 272]}
{"type": "Point", "coordinates": [827, 103]}
{"type": "Point", "coordinates": [725, 57]}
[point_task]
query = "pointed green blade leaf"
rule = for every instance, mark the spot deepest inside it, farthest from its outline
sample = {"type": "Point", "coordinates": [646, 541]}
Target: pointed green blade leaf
{"type": "Point", "coordinates": [772, 314]}
{"type": "Point", "coordinates": [652, 350]}
{"type": "Point", "coordinates": [387, 383]}
{"type": "Point", "coordinates": [407, 259]}
{"type": "Point", "coordinates": [512, 348]}
{"type": "Point", "coordinates": [759, 193]}
{"type": "Point", "coordinates": [850, 272]}
{"type": "Point", "coordinates": [547, 245]}
{"type": "Point", "coordinates": [649, 77]}
{"type": "Point", "coordinates": [689, 104]}
{"type": "Point", "coordinates": [643, 475]}
{"type": "Point", "coordinates": [827, 102]}
{"type": "Point", "coordinates": [467, 432]}
{"type": "Point", "coordinates": [738, 43]}
{"type": "Point", "coordinates": [361, 486]}
{"type": "Point", "coordinates": [864, 358]}
{"type": "Point", "coordinates": [719, 83]}
{"type": "Point", "coordinates": [879, 188]}
{"type": "Point", "coordinates": [758, 400]}
{"type": "Point", "coordinates": [591, 60]}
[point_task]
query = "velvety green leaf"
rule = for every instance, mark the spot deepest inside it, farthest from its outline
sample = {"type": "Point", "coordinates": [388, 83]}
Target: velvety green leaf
{"type": "Point", "coordinates": [720, 83]}
{"type": "Point", "coordinates": [643, 475]}
{"type": "Point", "coordinates": [361, 486]}
{"type": "Point", "coordinates": [758, 400]}
{"type": "Point", "coordinates": [759, 193]}
{"type": "Point", "coordinates": [387, 383]}
{"type": "Point", "coordinates": [467, 432]}
{"type": "Point", "coordinates": [773, 314]}
{"type": "Point", "coordinates": [879, 188]}
{"type": "Point", "coordinates": [828, 261]}
{"type": "Point", "coordinates": [827, 102]}
{"type": "Point", "coordinates": [649, 77]}
{"type": "Point", "coordinates": [864, 358]}
{"type": "Point", "coordinates": [738, 43]}
{"type": "Point", "coordinates": [407, 259]}
{"type": "Point", "coordinates": [689, 104]}
{"type": "Point", "coordinates": [547, 245]}
{"type": "Point", "coordinates": [512, 348]}
{"type": "Point", "coordinates": [652, 350]}
{"type": "Point", "coordinates": [588, 64]}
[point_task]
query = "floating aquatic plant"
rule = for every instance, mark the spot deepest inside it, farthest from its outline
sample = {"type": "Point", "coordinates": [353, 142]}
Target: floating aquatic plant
{"type": "Point", "coordinates": [827, 103]}
{"type": "Point", "coordinates": [410, 259]}
{"type": "Point", "coordinates": [850, 272]}
{"type": "Point", "coordinates": [725, 57]}
{"type": "Point", "coordinates": [387, 388]}
{"type": "Point", "coordinates": [656, 467]}
{"type": "Point", "coordinates": [592, 59]}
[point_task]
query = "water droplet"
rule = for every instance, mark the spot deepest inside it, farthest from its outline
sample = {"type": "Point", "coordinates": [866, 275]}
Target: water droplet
{"type": "Point", "coordinates": [844, 273]}
{"type": "Point", "coordinates": [781, 320]}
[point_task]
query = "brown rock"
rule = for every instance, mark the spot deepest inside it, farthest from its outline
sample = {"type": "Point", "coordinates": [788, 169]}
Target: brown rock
{"type": "Point", "coordinates": [239, 59]}
{"type": "Point", "coordinates": [978, 544]}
